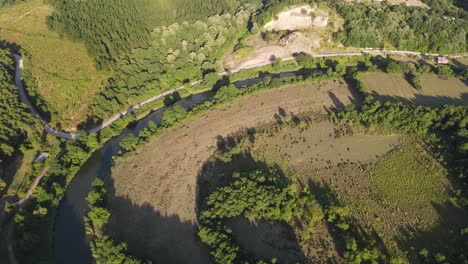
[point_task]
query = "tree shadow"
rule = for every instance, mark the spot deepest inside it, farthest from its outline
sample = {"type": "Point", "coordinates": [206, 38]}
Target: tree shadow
{"type": "Point", "coordinates": [14, 47]}
{"type": "Point", "coordinates": [444, 237]}
{"type": "Point", "coordinates": [425, 100]}
{"type": "Point", "coordinates": [8, 169]}
{"type": "Point", "coordinates": [336, 101]}
{"type": "Point", "coordinates": [262, 239]}
{"type": "Point", "coordinates": [327, 198]}
{"type": "Point", "coordinates": [172, 99]}
{"type": "Point", "coordinates": [151, 235]}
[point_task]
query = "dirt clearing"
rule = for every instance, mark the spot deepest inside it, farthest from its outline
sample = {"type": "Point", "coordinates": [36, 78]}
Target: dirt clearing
{"type": "Point", "coordinates": [296, 29]}
{"type": "Point", "coordinates": [161, 178]}
{"type": "Point", "coordinates": [296, 17]}
{"type": "Point", "coordinates": [435, 91]}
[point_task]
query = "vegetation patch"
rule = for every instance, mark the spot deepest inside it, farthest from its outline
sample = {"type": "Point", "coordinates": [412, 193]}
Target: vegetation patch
{"type": "Point", "coordinates": [409, 175]}
{"type": "Point", "coordinates": [60, 75]}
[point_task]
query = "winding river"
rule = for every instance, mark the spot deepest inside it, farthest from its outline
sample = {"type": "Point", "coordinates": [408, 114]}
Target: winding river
{"type": "Point", "coordinates": [70, 244]}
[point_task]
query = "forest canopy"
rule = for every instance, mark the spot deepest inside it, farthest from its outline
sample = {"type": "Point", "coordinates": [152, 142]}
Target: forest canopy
{"type": "Point", "coordinates": [112, 28]}
{"type": "Point", "coordinates": [178, 54]}
{"type": "Point", "coordinates": [403, 27]}
{"type": "Point", "coordinates": [17, 125]}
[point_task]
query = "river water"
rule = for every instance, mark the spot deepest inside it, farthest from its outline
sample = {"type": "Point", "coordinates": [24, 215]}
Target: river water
{"type": "Point", "coordinates": [70, 244]}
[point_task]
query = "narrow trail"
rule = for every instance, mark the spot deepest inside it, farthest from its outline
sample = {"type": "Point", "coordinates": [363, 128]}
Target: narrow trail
{"type": "Point", "coordinates": [21, 203]}
{"type": "Point", "coordinates": [114, 118]}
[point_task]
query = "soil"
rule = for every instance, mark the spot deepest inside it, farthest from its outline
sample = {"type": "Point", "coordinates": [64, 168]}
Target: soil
{"type": "Point", "coordinates": [159, 183]}
{"type": "Point", "coordinates": [296, 17]}
{"type": "Point", "coordinates": [306, 34]}
{"type": "Point", "coordinates": [435, 91]}
{"type": "Point", "coordinates": [323, 146]}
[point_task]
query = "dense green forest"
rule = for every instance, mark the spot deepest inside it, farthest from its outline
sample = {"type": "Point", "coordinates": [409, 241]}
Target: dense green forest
{"type": "Point", "coordinates": [110, 29]}
{"type": "Point", "coordinates": [178, 54]}
{"type": "Point", "coordinates": [405, 28]}
{"type": "Point", "coordinates": [18, 128]}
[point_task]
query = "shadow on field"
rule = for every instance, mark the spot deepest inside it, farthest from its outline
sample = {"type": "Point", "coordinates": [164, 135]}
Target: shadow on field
{"type": "Point", "coordinates": [258, 239]}
{"type": "Point", "coordinates": [424, 100]}
{"type": "Point", "coordinates": [151, 235]}
{"type": "Point", "coordinates": [444, 237]}
{"type": "Point", "coordinates": [327, 198]}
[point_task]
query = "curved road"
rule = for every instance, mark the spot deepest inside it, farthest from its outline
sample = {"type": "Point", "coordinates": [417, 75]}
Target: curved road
{"type": "Point", "coordinates": [111, 120]}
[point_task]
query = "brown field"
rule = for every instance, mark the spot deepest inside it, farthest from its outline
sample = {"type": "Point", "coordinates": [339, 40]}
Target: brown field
{"type": "Point", "coordinates": [156, 190]}
{"type": "Point", "coordinates": [436, 90]}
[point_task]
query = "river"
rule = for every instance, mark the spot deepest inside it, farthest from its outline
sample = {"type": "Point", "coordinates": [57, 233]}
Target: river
{"type": "Point", "coordinates": [70, 244]}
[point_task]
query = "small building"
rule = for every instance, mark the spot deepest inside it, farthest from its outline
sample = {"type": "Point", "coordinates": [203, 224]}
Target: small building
{"type": "Point", "coordinates": [442, 60]}
{"type": "Point", "coordinates": [42, 157]}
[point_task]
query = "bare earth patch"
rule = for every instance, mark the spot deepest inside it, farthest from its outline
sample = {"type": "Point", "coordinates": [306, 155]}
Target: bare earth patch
{"type": "Point", "coordinates": [162, 176]}
{"type": "Point", "coordinates": [436, 90]}
{"type": "Point", "coordinates": [308, 28]}
{"type": "Point", "coordinates": [294, 18]}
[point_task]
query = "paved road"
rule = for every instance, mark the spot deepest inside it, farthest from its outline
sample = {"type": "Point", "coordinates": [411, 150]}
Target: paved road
{"type": "Point", "coordinates": [111, 120]}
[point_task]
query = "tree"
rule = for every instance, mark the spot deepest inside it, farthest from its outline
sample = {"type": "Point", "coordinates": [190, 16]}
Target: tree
{"type": "Point", "coordinates": [130, 142]}
{"type": "Point", "coordinates": [444, 70]}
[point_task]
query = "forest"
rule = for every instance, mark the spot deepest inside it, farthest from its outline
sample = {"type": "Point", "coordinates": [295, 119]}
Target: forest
{"type": "Point", "coordinates": [18, 128]}
{"type": "Point", "coordinates": [265, 195]}
{"type": "Point", "coordinates": [405, 28]}
{"type": "Point", "coordinates": [111, 29]}
{"type": "Point", "coordinates": [178, 54]}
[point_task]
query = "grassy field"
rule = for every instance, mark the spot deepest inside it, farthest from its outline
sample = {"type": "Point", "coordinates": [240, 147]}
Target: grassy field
{"type": "Point", "coordinates": [390, 183]}
{"type": "Point", "coordinates": [435, 90]}
{"type": "Point", "coordinates": [64, 74]}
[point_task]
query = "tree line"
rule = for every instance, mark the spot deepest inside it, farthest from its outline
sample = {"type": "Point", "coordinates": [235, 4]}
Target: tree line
{"type": "Point", "coordinates": [112, 28]}
{"type": "Point", "coordinates": [403, 27]}
{"type": "Point", "coordinates": [178, 54]}
{"type": "Point", "coordinates": [104, 249]}
{"type": "Point", "coordinates": [19, 130]}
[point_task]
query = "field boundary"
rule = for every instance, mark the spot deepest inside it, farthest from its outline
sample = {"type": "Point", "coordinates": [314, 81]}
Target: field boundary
{"type": "Point", "coordinates": [114, 118]}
